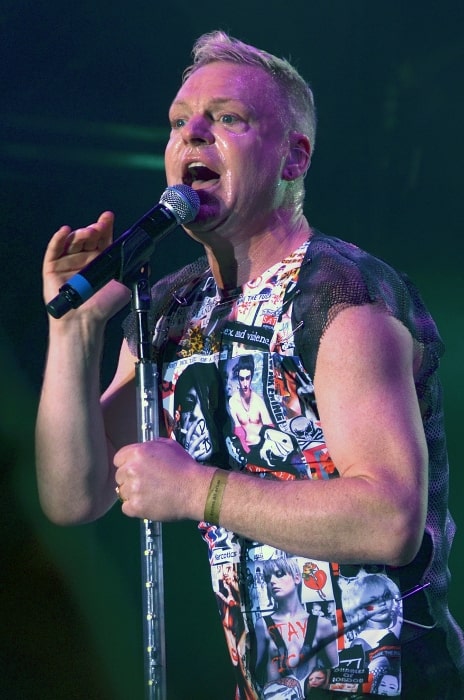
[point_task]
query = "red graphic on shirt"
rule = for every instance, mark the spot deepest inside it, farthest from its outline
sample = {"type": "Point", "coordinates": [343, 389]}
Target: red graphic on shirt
{"type": "Point", "coordinates": [314, 577]}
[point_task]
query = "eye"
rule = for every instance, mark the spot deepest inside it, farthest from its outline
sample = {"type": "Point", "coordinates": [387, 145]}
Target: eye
{"type": "Point", "coordinates": [188, 405]}
{"type": "Point", "coordinates": [235, 122]}
{"type": "Point", "coordinates": [228, 119]}
{"type": "Point", "coordinates": [279, 573]}
{"type": "Point", "coordinates": [178, 123]}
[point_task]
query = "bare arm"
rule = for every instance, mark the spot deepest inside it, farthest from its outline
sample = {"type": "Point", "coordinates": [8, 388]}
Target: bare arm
{"type": "Point", "coordinates": [369, 411]}
{"type": "Point", "coordinates": [74, 460]}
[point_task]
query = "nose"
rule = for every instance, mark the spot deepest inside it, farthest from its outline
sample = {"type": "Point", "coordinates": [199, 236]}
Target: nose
{"type": "Point", "coordinates": [197, 130]}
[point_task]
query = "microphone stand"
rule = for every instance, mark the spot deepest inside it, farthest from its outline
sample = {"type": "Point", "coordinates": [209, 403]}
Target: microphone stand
{"type": "Point", "coordinates": [150, 532]}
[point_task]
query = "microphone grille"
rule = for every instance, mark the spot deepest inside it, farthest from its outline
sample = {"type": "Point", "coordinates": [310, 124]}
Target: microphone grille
{"type": "Point", "coordinates": [182, 201]}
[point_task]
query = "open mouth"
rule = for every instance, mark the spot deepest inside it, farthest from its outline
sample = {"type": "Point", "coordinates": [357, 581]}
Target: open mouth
{"type": "Point", "coordinates": [197, 174]}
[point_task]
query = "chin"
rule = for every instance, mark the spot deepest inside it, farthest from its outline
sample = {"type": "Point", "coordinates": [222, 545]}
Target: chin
{"type": "Point", "coordinates": [203, 225]}
{"type": "Point", "coordinates": [210, 209]}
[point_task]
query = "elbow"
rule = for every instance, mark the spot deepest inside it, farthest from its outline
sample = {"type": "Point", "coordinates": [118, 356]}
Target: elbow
{"type": "Point", "coordinates": [61, 517]}
{"type": "Point", "coordinates": [64, 514]}
{"type": "Point", "coordinates": [67, 519]}
{"type": "Point", "coordinates": [66, 506]}
{"type": "Point", "coordinates": [405, 534]}
{"type": "Point", "coordinates": [406, 551]}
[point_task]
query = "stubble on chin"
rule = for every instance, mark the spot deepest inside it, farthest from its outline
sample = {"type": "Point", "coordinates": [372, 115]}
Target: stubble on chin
{"type": "Point", "coordinates": [210, 208]}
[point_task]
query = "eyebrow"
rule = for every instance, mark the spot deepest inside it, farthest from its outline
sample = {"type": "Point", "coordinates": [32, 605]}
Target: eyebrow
{"type": "Point", "coordinates": [215, 102]}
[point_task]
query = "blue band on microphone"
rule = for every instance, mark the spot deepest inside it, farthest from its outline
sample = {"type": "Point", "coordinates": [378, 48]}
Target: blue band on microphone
{"type": "Point", "coordinates": [81, 286]}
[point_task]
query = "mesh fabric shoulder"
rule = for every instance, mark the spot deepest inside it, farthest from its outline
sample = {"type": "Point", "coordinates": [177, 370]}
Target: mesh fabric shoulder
{"type": "Point", "coordinates": [166, 291]}
{"type": "Point", "coordinates": [336, 274]}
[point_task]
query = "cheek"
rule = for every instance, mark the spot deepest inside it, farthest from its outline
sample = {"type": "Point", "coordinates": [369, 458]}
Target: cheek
{"type": "Point", "coordinates": [230, 181]}
{"type": "Point", "coordinates": [170, 159]}
{"type": "Point", "coordinates": [245, 159]}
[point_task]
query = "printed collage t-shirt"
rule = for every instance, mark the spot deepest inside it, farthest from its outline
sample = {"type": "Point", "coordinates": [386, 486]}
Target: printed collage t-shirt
{"type": "Point", "coordinates": [235, 395]}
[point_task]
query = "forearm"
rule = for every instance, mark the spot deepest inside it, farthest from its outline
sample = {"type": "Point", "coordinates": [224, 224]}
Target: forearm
{"type": "Point", "coordinates": [348, 519]}
{"type": "Point", "coordinates": [74, 477]}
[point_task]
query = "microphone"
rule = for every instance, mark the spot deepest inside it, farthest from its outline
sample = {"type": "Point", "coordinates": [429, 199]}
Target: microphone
{"type": "Point", "coordinates": [178, 205]}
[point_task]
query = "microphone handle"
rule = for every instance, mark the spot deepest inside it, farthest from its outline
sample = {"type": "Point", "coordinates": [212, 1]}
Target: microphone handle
{"type": "Point", "coordinates": [119, 261]}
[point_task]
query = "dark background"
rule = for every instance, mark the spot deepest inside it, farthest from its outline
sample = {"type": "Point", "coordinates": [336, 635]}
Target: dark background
{"type": "Point", "coordinates": [84, 92]}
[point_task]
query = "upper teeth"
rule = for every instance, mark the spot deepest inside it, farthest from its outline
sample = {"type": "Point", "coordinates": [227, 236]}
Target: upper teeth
{"type": "Point", "coordinates": [197, 164]}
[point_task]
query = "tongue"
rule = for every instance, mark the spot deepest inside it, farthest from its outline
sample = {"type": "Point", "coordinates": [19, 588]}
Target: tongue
{"type": "Point", "coordinates": [202, 176]}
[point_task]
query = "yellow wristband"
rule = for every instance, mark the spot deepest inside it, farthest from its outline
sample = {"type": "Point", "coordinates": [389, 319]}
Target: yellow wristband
{"type": "Point", "coordinates": [214, 497]}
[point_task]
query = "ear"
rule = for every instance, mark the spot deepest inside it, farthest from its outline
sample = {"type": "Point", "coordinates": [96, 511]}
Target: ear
{"type": "Point", "coordinates": [299, 156]}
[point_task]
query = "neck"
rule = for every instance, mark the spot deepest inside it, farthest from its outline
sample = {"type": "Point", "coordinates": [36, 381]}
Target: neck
{"type": "Point", "coordinates": [233, 263]}
{"type": "Point", "coordinates": [292, 606]}
{"type": "Point", "coordinates": [246, 400]}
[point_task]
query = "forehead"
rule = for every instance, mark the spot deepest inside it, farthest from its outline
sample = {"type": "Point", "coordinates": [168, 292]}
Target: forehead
{"type": "Point", "coordinates": [373, 590]}
{"type": "Point", "coordinates": [276, 567]}
{"type": "Point", "coordinates": [222, 81]}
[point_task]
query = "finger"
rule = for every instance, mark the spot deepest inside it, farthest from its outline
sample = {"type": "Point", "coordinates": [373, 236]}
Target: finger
{"type": "Point", "coordinates": [57, 245]}
{"type": "Point", "coordinates": [199, 445]}
{"type": "Point", "coordinates": [121, 456]}
{"type": "Point", "coordinates": [95, 237]}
